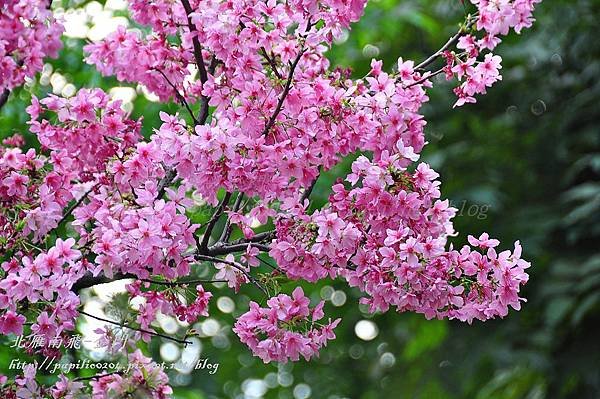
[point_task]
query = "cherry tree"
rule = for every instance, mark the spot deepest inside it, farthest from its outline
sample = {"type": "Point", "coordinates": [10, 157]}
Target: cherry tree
{"type": "Point", "coordinates": [268, 115]}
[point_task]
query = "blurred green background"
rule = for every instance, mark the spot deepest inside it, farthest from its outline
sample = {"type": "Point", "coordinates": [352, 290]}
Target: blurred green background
{"type": "Point", "coordinates": [523, 163]}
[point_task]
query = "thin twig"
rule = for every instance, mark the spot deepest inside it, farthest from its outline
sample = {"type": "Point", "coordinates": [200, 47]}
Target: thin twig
{"type": "Point", "coordinates": [165, 182]}
{"type": "Point", "coordinates": [93, 377]}
{"type": "Point", "coordinates": [222, 248]}
{"type": "Point", "coordinates": [451, 42]}
{"type": "Point", "coordinates": [274, 267]}
{"type": "Point", "coordinates": [179, 97]}
{"type": "Point", "coordinates": [123, 325]}
{"type": "Point", "coordinates": [259, 237]}
{"type": "Point", "coordinates": [237, 266]}
{"type": "Point", "coordinates": [231, 248]}
{"type": "Point", "coordinates": [74, 206]}
{"type": "Point", "coordinates": [228, 226]}
{"type": "Point", "coordinates": [4, 97]}
{"type": "Point", "coordinates": [309, 189]}
{"type": "Point", "coordinates": [286, 90]}
{"type": "Point", "coordinates": [213, 221]}
{"type": "Point", "coordinates": [271, 62]}
{"type": "Point", "coordinates": [426, 77]}
{"type": "Point", "coordinates": [184, 282]}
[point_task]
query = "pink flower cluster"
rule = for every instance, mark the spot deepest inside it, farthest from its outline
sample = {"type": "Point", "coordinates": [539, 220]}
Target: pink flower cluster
{"type": "Point", "coordinates": [28, 33]}
{"type": "Point", "coordinates": [279, 116]}
{"type": "Point", "coordinates": [324, 118]}
{"type": "Point", "coordinates": [91, 129]}
{"type": "Point", "coordinates": [141, 239]}
{"type": "Point", "coordinates": [26, 186]}
{"type": "Point", "coordinates": [495, 17]}
{"type": "Point", "coordinates": [48, 277]}
{"type": "Point", "coordinates": [169, 303]}
{"type": "Point", "coordinates": [143, 376]}
{"type": "Point", "coordinates": [286, 329]}
{"type": "Point", "coordinates": [478, 76]}
{"type": "Point", "coordinates": [388, 237]}
{"type": "Point", "coordinates": [140, 375]}
{"type": "Point", "coordinates": [473, 64]}
{"type": "Point", "coordinates": [151, 61]}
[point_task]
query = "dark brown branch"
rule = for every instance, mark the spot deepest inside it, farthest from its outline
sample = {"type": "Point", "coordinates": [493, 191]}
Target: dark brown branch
{"type": "Point", "coordinates": [309, 189]}
{"type": "Point", "coordinates": [271, 62]}
{"type": "Point", "coordinates": [203, 116]}
{"type": "Point", "coordinates": [222, 248]}
{"type": "Point", "coordinates": [213, 221]}
{"type": "Point", "coordinates": [183, 282]}
{"type": "Point", "coordinates": [165, 182]}
{"type": "Point", "coordinates": [73, 207]}
{"type": "Point", "coordinates": [180, 97]}
{"type": "Point", "coordinates": [6, 93]}
{"type": "Point", "coordinates": [213, 65]}
{"type": "Point", "coordinates": [88, 280]}
{"type": "Point", "coordinates": [260, 237]}
{"type": "Point", "coordinates": [228, 226]}
{"type": "Point", "coordinates": [426, 77]}
{"type": "Point", "coordinates": [225, 249]}
{"type": "Point", "coordinates": [93, 377]}
{"type": "Point", "coordinates": [286, 90]}
{"type": "Point", "coordinates": [4, 97]}
{"type": "Point", "coordinates": [123, 325]}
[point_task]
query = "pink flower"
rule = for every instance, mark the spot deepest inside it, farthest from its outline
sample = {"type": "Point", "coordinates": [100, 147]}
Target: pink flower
{"type": "Point", "coordinates": [45, 325]}
{"type": "Point", "coordinates": [483, 241]}
{"type": "Point", "coordinates": [11, 323]}
{"type": "Point", "coordinates": [233, 275]}
{"type": "Point", "coordinates": [16, 184]}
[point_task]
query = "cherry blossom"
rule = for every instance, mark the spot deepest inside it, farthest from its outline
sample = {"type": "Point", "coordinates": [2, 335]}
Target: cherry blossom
{"type": "Point", "coordinates": [29, 33]}
{"type": "Point", "coordinates": [226, 189]}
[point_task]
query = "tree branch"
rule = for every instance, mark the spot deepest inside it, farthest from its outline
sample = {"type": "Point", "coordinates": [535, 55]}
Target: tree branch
{"type": "Point", "coordinates": [426, 77]}
{"type": "Point", "coordinates": [165, 182]}
{"type": "Point", "coordinates": [203, 116]}
{"type": "Point", "coordinates": [123, 325]}
{"type": "Point", "coordinates": [183, 282]}
{"type": "Point", "coordinates": [309, 189]}
{"type": "Point", "coordinates": [93, 377]}
{"type": "Point", "coordinates": [88, 280]}
{"type": "Point", "coordinates": [271, 62]}
{"type": "Point", "coordinates": [222, 248]}
{"type": "Point", "coordinates": [228, 249]}
{"type": "Point", "coordinates": [4, 97]}
{"type": "Point", "coordinates": [213, 221]}
{"type": "Point", "coordinates": [73, 207]}
{"type": "Point", "coordinates": [286, 90]}
{"type": "Point", "coordinates": [451, 42]}
{"type": "Point", "coordinates": [228, 227]}
{"type": "Point", "coordinates": [179, 97]}
{"type": "Point", "coordinates": [238, 267]}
